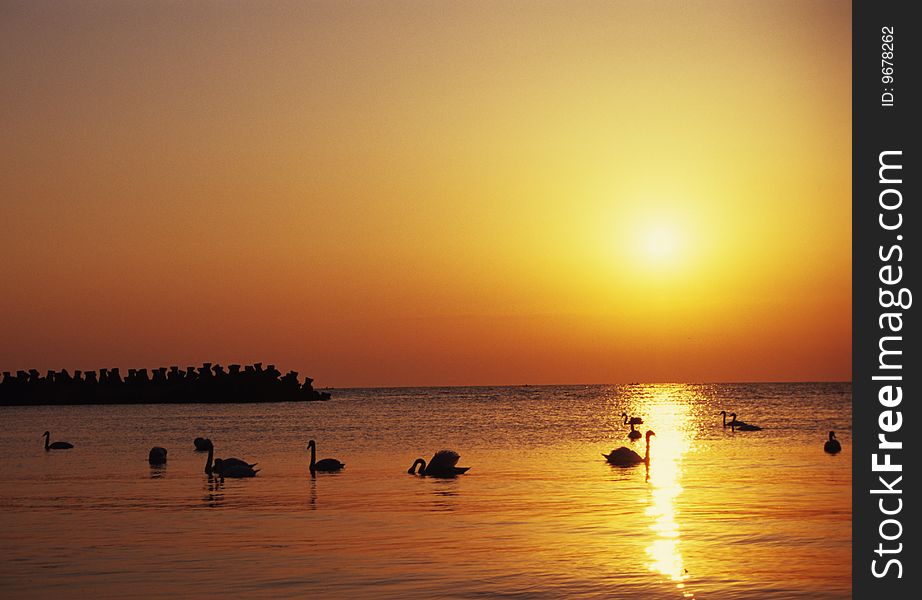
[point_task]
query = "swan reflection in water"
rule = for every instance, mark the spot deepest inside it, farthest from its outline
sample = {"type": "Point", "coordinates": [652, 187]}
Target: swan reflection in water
{"type": "Point", "coordinates": [312, 492]}
{"type": "Point", "coordinates": [445, 490]}
{"type": "Point", "coordinates": [214, 491]}
{"type": "Point", "coordinates": [670, 414]}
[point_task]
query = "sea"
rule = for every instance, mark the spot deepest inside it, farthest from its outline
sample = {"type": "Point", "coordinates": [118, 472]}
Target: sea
{"type": "Point", "coordinates": [717, 513]}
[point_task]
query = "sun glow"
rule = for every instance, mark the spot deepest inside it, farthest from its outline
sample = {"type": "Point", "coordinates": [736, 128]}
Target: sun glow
{"type": "Point", "coordinates": [661, 239]}
{"type": "Point", "coordinates": [660, 243]}
{"type": "Point", "coordinates": [475, 207]}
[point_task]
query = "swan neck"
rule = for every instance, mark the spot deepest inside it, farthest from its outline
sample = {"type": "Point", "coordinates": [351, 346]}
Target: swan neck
{"type": "Point", "coordinates": [313, 456]}
{"type": "Point", "coordinates": [422, 466]}
{"type": "Point", "coordinates": [208, 469]}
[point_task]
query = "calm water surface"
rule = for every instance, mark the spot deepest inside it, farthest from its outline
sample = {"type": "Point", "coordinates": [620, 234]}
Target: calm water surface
{"type": "Point", "coordinates": [539, 515]}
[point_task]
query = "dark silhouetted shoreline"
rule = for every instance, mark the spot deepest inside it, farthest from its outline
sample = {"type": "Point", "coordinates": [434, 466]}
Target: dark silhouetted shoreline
{"type": "Point", "coordinates": [208, 383]}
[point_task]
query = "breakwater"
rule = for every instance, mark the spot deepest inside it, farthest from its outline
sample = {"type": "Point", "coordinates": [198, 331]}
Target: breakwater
{"type": "Point", "coordinates": [207, 383]}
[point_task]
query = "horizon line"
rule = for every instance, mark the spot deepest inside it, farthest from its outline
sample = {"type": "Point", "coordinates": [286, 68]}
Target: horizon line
{"type": "Point", "coordinates": [397, 387]}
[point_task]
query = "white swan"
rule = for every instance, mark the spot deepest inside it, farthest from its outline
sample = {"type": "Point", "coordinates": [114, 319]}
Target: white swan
{"type": "Point", "coordinates": [325, 465]}
{"type": "Point", "coordinates": [443, 464]}
{"type": "Point", "coordinates": [734, 425]}
{"type": "Point", "coordinates": [633, 434]}
{"type": "Point", "coordinates": [236, 470]}
{"type": "Point", "coordinates": [55, 445]}
{"type": "Point", "coordinates": [157, 456]}
{"type": "Point", "coordinates": [226, 464]}
{"type": "Point", "coordinates": [625, 457]}
{"type": "Point", "coordinates": [633, 421]}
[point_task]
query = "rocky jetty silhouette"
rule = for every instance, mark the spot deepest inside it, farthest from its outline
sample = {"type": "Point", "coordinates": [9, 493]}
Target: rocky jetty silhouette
{"type": "Point", "coordinates": [208, 383]}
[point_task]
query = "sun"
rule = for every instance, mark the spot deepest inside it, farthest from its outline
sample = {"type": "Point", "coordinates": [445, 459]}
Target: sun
{"type": "Point", "coordinates": [660, 243]}
{"type": "Point", "coordinates": [658, 246]}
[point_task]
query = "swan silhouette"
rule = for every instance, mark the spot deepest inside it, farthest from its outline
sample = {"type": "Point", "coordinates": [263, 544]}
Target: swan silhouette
{"type": "Point", "coordinates": [157, 456]}
{"type": "Point", "coordinates": [209, 464]}
{"type": "Point", "coordinates": [625, 457]}
{"type": "Point", "coordinates": [832, 445]}
{"type": "Point", "coordinates": [633, 421]}
{"type": "Point", "coordinates": [325, 465]}
{"type": "Point", "coordinates": [234, 470]}
{"type": "Point", "coordinates": [634, 434]}
{"type": "Point", "coordinates": [201, 444]}
{"type": "Point", "coordinates": [213, 464]}
{"type": "Point", "coordinates": [723, 413]}
{"type": "Point", "coordinates": [55, 445]}
{"type": "Point", "coordinates": [442, 464]}
{"type": "Point", "coordinates": [734, 425]}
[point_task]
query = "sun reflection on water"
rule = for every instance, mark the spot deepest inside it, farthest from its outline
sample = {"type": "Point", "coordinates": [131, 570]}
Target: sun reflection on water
{"type": "Point", "coordinates": [668, 413]}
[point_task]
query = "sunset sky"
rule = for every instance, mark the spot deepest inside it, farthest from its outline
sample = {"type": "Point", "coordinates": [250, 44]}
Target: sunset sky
{"type": "Point", "coordinates": [429, 193]}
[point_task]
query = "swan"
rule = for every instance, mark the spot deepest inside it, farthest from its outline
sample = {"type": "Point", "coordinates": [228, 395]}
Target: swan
{"type": "Point", "coordinates": [226, 463]}
{"type": "Point", "coordinates": [233, 462]}
{"type": "Point", "coordinates": [723, 413]}
{"type": "Point", "coordinates": [201, 444]}
{"type": "Point", "coordinates": [442, 464]}
{"type": "Point", "coordinates": [634, 434]}
{"type": "Point", "coordinates": [633, 421]}
{"type": "Point", "coordinates": [327, 465]}
{"type": "Point", "coordinates": [55, 445]}
{"type": "Point", "coordinates": [734, 425]}
{"type": "Point", "coordinates": [157, 456]}
{"type": "Point", "coordinates": [235, 470]}
{"type": "Point", "coordinates": [744, 427]}
{"type": "Point", "coordinates": [832, 446]}
{"type": "Point", "coordinates": [209, 469]}
{"type": "Point", "coordinates": [625, 457]}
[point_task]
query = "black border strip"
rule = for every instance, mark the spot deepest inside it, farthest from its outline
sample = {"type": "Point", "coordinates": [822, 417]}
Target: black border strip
{"type": "Point", "coordinates": [881, 124]}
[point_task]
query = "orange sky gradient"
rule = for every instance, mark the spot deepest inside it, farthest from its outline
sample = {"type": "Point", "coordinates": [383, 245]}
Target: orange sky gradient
{"type": "Point", "coordinates": [429, 193]}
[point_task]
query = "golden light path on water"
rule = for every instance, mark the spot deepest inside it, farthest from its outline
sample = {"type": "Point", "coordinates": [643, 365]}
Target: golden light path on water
{"type": "Point", "coordinates": [670, 411]}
